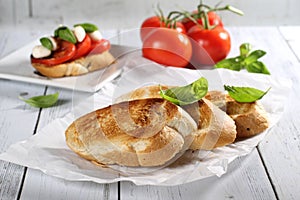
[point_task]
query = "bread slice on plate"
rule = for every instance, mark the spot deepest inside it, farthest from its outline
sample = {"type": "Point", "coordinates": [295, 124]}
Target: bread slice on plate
{"type": "Point", "coordinates": [145, 132]}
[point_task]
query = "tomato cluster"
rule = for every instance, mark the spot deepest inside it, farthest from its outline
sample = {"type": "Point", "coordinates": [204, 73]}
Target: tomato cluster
{"type": "Point", "coordinates": [197, 39]}
{"type": "Point", "coordinates": [68, 51]}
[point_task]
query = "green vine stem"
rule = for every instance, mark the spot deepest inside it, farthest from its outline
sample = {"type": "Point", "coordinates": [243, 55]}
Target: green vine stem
{"type": "Point", "coordinates": [202, 13]}
{"type": "Point", "coordinates": [228, 8]}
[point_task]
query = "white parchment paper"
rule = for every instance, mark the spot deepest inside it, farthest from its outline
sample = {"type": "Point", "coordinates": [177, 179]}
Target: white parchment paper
{"type": "Point", "coordinates": [48, 152]}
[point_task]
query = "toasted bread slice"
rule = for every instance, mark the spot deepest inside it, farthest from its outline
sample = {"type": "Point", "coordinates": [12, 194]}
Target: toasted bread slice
{"type": "Point", "coordinates": [76, 67]}
{"type": "Point", "coordinates": [147, 132]}
{"type": "Point", "coordinates": [215, 127]}
{"type": "Point", "coordinates": [250, 118]}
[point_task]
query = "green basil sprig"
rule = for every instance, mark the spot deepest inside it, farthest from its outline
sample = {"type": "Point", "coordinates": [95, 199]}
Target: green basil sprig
{"type": "Point", "coordinates": [46, 42]}
{"type": "Point", "coordinates": [246, 60]}
{"type": "Point", "coordinates": [88, 27]}
{"type": "Point", "coordinates": [245, 94]}
{"type": "Point", "coordinates": [186, 94]}
{"type": "Point", "coordinates": [42, 101]}
{"type": "Point", "coordinates": [65, 33]}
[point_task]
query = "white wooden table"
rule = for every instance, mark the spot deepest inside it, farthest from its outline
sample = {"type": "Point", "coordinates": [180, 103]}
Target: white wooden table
{"type": "Point", "coordinates": [271, 171]}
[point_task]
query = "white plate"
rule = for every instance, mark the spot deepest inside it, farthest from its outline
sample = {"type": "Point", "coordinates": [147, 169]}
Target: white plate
{"type": "Point", "coordinates": [16, 66]}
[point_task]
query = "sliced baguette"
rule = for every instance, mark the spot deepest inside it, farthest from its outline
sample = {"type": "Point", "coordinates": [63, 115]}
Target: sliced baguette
{"type": "Point", "coordinates": [250, 118]}
{"type": "Point", "coordinates": [215, 127]}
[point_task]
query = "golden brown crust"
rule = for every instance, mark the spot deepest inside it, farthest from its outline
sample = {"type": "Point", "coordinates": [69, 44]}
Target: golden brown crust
{"type": "Point", "coordinates": [250, 118]}
{"type": "Point", "coordinates": [79, 66]}
{"type": "Point", "coordinates": [135, 133]}
{"type": "Point", "coordinates": [215, 127]}
{"type": "Point", "coordinates": [151, 91]}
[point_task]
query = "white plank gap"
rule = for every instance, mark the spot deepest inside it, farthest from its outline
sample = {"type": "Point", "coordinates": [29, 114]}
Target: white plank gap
{"type": "Point", "coordinates": [291, 34]}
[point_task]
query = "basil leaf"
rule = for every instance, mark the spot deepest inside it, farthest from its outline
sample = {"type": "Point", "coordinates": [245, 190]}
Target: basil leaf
{"type": "Point", "coordinates": [41, 101]}
{"type": "Point", "coordinates": [186, 94]}
{"type": "Point", "coordinates": [89, 28]}
{"type": "Point", "coordinates": [246, 60]}
{"type": "Point", "coordinates": [254, 56]}
{"type": "Point", "coordinates": [57, 30]}
{"type": "Point", "coordinates": [230, 63]}
{"type": "Point", "coordinates": [245, 94]}
{"type": "Point", "coordinates": [245, 49]}
{"type": "Point", "coordinates": [46, 42]}
{"type": "Point", "coordinates": [66, 34]}
{"type": "Point", "coordinates": [257, 67]}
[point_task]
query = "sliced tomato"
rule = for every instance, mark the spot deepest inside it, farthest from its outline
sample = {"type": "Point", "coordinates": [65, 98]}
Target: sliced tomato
{"type": "Point", "coordinates": [100, 46]}
{"type": "Point", "coordinates": [64, 53]}
{"type": "Point", "coordinates": [82, 48]}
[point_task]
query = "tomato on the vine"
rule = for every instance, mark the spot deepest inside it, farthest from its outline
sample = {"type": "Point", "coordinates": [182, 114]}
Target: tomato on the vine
{"type": "Point", "coordinates": [213, 18]}
{"type": "Point", "coordinates": [167, 47]}
{"type": "Point", "coordinates": [155, 22]}
{"type": "Point", "coordinates": [65, 52]}
{"type": "Point", "coordinates": [209, 45]}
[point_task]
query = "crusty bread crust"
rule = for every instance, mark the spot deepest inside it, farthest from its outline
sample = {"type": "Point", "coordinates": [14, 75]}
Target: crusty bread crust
{"type": "Point", "coordinates": [215, 127]}
{"type": "Point", "coordinates": [250, 118]}
{"type": "Point", "coordinates": [77, 67]}
{"type": "Point", "coordinates": [147, 132]}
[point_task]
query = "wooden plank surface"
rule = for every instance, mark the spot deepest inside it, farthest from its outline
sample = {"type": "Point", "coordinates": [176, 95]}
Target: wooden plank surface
{"type": "Point", "coordinates": [291, 34]}
{"type": "Point", "coordinates": [280, 150]}
{"type": "Point", "coordinates": [246, 179]}
{"type": "Point", "coordinates": [13, 113]}
{"type": "Point", "coordinates": [55, 188]}
{"type": "Point", "coordinates": [270, 172]}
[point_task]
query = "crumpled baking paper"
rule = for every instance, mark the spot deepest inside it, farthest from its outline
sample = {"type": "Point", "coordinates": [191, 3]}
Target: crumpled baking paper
{"type": "Point", "coordinates": [48, 152]}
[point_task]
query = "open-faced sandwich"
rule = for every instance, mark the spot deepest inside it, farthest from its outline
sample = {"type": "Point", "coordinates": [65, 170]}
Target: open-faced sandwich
{"type": "Point", "coordinates": [72, 52]}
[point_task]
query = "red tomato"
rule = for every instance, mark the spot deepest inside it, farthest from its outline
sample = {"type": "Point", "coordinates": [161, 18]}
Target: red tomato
{"type": "Point", "coordinates": [167, 47]}
{"type": "Point", "coordinates": [100, 46]}
{"type": "Point", "coordinates": [154, 22]}
{"type": "Point", "coordinates": [82, 48]}
{"type": "Point", "coordinates": [213, 19]}
{"type": "Point", "coordinates": [209, 46]}
{"type": "Point", "coordinates": [65, 52]}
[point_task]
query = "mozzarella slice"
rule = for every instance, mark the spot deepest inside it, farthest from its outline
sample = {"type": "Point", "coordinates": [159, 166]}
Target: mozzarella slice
{"type": "Point", "coordinates": [40, 51]}
{"type": "Point", "coordinates": [96, 35]}
{"type": "Point", "coordinates": [79, 33]}
{"type": "Point", "coordinates": [54, 44]}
